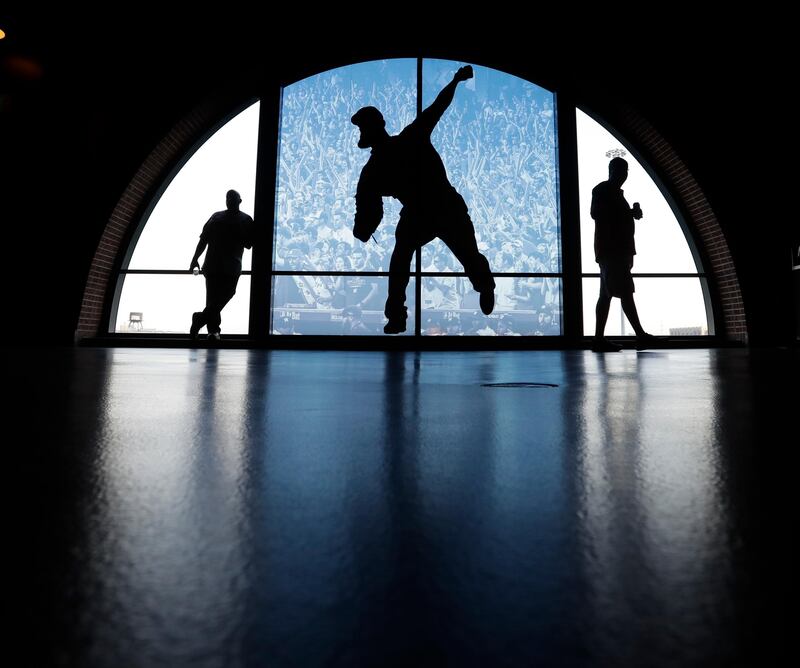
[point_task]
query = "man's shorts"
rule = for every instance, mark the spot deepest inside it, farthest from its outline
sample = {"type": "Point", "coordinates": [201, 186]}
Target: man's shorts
{"type": "Point", "coordinates": [615, 277]}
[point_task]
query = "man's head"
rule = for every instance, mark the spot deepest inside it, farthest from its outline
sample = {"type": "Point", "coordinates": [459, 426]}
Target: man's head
{"type": "Point", "coordinates": [294, 258]}
{"type": "Point", "coordinates": [452, 324]}
{"type": "Point", "coordinates": [285, 325]}
{"type": "Point", "coordinates": [370, 121]}
{"type": "Point", "coordinates": [505, 323]}
{"type": "Point", "coordinates": [618, 170]}
{"type": "Point", "coordinates": [233, 200]}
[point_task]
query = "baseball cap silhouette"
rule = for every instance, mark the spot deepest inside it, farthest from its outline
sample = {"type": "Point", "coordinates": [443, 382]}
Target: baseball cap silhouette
{"type": "Point", "coordinates": [368, 116]}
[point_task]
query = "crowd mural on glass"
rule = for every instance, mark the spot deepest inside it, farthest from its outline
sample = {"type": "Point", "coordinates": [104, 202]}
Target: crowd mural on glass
{"type": "Point", "coordinates": [497, 141]}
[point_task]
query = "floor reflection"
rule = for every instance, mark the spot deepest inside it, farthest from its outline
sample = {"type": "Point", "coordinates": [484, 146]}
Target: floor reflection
{"type": "Point", "coordinates": [226, 507]}
{"type": "Point", "coordinates": [169, 542]}
{"type": "Point", "coordinates": [652, 510]}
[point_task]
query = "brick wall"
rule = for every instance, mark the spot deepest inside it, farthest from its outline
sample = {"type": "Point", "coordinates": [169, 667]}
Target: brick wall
{"type": "Point", "coordinates": [153, 171]}
{"type": "Point", "coordinates": [705, 227]}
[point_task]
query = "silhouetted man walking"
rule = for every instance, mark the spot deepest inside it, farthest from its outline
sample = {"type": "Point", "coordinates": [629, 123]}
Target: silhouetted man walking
{"type": "Point", "coordinates": [408, 168]}
{"type": "Point", "coordinates": [226, 234]}
{"type": "Point", "coordinates": [614, 249]}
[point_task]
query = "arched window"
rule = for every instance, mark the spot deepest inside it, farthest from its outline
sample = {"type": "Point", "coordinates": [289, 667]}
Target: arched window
{"type": "Point", "coordinates": [155, 285]}
{"type": "Point", "coordinates": [322, 273]}
{"type": "Point", "coordinates": [499, 143]}
{"type": "Point", "coordinates": [671, 295]}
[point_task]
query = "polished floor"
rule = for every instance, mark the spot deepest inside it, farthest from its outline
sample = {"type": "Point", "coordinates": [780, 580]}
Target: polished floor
{"type": "Point", "coordinates": [311, 508]}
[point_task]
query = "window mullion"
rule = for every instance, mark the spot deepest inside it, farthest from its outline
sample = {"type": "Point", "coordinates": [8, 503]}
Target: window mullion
{"type": "Point", "coordinates": [567, 148]}
{"type": "Point", "coordinates": [264, 213]}
{"type": "Point", "coordinates": [418, 254]}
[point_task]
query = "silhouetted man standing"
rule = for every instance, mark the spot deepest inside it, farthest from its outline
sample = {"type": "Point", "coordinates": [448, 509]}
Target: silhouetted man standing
{"type": "Point", "coordinates": [614, 250]}
{"type": "Point", "coordinates": [226, 234]}
{"type": "Point", "coordinates": [408, 168]}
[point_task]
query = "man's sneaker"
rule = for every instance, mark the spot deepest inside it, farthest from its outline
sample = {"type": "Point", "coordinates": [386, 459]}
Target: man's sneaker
{"type": "Point", "coordinates": [395, 327]}
{"type": "Point", "coordinates": [646, 341]}
{"type": "Point", "coordinates": [605, 346]}
{"type": "Point", "coordinates": [487, 300]}
{"type": "Point", "coordinates": [214, 337]}
{"type": "Point", "coordinates": [196, 324]}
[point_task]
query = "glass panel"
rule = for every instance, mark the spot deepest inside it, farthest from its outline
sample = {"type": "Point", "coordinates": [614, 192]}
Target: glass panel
{"type": "Point", "coordinates": [337, 255]}
{"type": "Point", "coordinates": [320, 161]}
{"type": "Point", "coordinates": [158, 303]}
{"type": "Point", "coordinates": [497, 141]}
{"type": "Point", "coordinates": [666, 306]}
{"type": "Point", "coordinates": [661, 246]}
{"type": "Point", "coordinates": [523, 307]}
{"type": "Point", "coordinates": [333, 305]}
{"type": "Point", "coordinates": [227, 160]}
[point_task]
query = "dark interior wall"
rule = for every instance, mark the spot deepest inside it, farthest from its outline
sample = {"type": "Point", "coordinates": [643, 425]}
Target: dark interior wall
{"type": "Point", "coordinates": [108, 88]}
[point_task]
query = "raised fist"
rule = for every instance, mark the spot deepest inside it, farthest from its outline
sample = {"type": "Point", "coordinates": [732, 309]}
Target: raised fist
{"type": "Point", "coordinates": [464, 73]}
